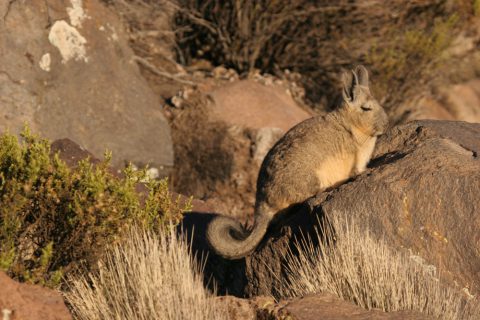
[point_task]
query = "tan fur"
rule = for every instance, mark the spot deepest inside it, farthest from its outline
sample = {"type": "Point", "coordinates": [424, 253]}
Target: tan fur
{"type": "Point", "coordinates": [316, 154]}
{"type": "Point", "coordinates": [335, 169]}
{"type": "Point", "coordinates": [363, 154]}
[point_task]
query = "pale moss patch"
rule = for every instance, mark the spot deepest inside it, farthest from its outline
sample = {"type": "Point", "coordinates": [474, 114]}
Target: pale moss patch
{"type": "Point", "coordinates": [69, 42]}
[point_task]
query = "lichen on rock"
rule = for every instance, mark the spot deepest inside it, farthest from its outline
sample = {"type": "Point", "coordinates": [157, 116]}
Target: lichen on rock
{"type": "Point", "coordinates": [68, 41]}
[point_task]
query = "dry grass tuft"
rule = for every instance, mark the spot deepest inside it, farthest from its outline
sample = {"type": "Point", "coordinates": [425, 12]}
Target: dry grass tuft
{"type": "Point", "coordinates": [358, 267]}
{"type": "Point", "coordinates": [147, 277]}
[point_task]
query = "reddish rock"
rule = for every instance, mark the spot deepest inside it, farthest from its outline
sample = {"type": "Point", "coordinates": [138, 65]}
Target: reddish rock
{"type": "Point", "coordinates": [70, 152]}
{"type": "Point", "coordinates": [250, 104]}
{"type": "Point", "coordinates": [313, 307]}
{"type": "Point", "coordinates": [237, 309]}
{"type": "Point", "coordinates": [31, 302]}
{"type": "Point", "coordinates": [327, 306]}
{"type": "Point", "coordinates": [428, 108]}
{"type": "Point", "coordinates": [462, 100]}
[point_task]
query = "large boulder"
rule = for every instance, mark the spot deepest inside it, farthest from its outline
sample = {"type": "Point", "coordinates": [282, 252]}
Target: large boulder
{"type": "Point", "coordinates": [420, 193]}
{"type": "Point", "coordinates": [66, 69]}
{"type": "Point", "coordinates": [423, 194]}
{"type": "Point", "coordinates": [26, 301]}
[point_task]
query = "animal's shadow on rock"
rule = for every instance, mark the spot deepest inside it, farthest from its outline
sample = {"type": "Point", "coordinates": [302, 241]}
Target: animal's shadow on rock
{"type": "Point", "coordinates": [385, 159]}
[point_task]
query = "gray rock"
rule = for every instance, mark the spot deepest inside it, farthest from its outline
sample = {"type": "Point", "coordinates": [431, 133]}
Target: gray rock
{"type": "Point", "coordinates": [66, 69]}
{"type": "Point", "coordinates": [421, 193]}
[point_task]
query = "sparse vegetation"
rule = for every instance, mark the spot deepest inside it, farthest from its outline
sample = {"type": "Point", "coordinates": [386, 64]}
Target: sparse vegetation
{"type": "Point", "coordinates": [398, 41]}
{"type": "Point", "coordinates": [411, 54]}
{"type": "Point", "coordinates": [371, 275]}
{"type": "Point", "coordinates": [318, 39]}
{"type": "Point", "coordinates": [147, 277]}
{"type": "Point", "coordinates": [54, 219]}
{"type": "Point", "coordinates": [242, 34]}
{"type": "Point", "coordinates": [476, 7]}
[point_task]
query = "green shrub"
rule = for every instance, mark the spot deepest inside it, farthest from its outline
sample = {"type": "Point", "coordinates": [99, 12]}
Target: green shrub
{"type": "Point", "coordinates": [54, 219]}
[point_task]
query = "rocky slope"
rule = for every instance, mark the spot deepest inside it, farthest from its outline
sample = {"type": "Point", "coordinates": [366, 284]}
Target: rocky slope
{"type": "Point", "coordinates": [66, 70]}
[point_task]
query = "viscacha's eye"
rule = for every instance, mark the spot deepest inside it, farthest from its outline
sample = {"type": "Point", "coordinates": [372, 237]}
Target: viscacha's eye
{"type": "Point", "coordinates": [366, 108]}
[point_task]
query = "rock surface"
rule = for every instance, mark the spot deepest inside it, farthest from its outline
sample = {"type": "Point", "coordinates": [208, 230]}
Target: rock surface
{"type": "Point", "coordinates": [254, 105]}
{"type": "Point", "coordinates": [312, 307]}
{"type": "Point", "coordinates": [26, 301]}
{"type": "Point", "coordinates": [237, 308]}
{"type": "Point", "coordinates": [462, 100]}
{"type": "Point", "coordinates": [70, 152]}
{"type": "Point", "coordinates": [327, 306]}
{"type": "Point", "coordinates": [67, 70]}
{"type": "Point", "coordinates": [420, 193]}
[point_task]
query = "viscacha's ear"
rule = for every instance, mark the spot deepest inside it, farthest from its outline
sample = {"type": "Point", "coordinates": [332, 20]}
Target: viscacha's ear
{"type": "Point", "coordinates": [348, 82]}
{"type": "Point", "coordinates": [362, 74]}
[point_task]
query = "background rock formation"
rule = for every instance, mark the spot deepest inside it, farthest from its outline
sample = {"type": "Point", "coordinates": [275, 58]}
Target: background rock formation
{"type": "Point", "coordinates": [66, 70]}
{"type": "Point", "coordinates": [25, 301]}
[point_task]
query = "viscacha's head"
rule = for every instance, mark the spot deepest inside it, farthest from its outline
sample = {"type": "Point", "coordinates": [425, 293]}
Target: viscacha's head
{"type": "Point", "coordinates": [359, 106]}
